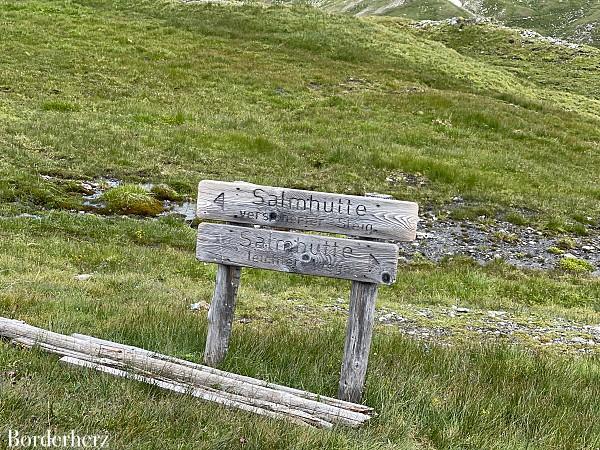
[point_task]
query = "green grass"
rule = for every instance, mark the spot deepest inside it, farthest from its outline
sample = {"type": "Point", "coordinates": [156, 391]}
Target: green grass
{"type": "Point", "coordinates": [145, 278]}
{"type": "Point", "coordinates": [551, 66]}
{"type": "Point", "coordinates": [372, 99]}
{"type": "Point", "coordinates": [436, 398]}
{"type": "Point", "coordinates": [159, 92]}
{"type": "Point", "coordinates": [492, 398]}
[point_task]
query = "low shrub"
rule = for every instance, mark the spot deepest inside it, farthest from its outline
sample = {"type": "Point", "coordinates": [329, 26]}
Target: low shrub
{"type": "Point", "coordinates": [575, 265]}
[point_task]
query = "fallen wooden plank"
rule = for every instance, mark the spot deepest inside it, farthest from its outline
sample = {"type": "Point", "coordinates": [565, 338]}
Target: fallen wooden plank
{"type": "Point", "coordinates": [305, 394]}
{"type": "Point", "coordinates": [297, 209]}
{"type": "Point", "coordinates": [367, 261]}
{"type": "Point", "coordinates": [114, 367]}
{"type": "Point", "coordinates": [262, 408]}
{"type": "Point", "coordinates": [130, 359]}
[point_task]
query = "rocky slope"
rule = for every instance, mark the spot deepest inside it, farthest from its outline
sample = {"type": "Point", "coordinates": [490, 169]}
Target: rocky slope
{"type": "Point", "coordinates": [574, 20]}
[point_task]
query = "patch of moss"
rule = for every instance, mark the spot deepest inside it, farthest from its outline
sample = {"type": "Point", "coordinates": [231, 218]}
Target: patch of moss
{"type": "Point", "coordinates": [575, 265]}
{"type": "Point", "coordinates": [165, 192]}
{"type": "Point", "coordinates": [131, 199]}
{"type": "Point", "coordinates": [555, 250]}
{"type": "Point", "coordinates": [504, 236]}
{"type": "Point", "coordinates": [46, 193]}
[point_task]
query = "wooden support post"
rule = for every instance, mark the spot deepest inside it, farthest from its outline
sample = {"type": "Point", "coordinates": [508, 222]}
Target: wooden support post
{"type": "Point", "coordinates": [361, 319]}
{"type": "Point", "coordinates": [220, 314]}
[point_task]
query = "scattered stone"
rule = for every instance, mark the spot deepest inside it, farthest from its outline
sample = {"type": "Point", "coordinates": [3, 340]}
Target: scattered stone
{"type": "Point", "coordinates": [594, 329]}
{"type": "Point", "coordinates": [526, 35]}
{"type": "Point", "coordinates": [199, 306]}
{"type": "Point", "coordinates": [88, 188]}
{"type": "Point", "coordinates": [422, 235]}
{"type": "Point", "coordinates": [461, 310]}
{"type": "Point", "coordinates": [425, 313]}
{"type": "Point", "coordinates": [535, 36]}
{"type": "Point", "coordinates": [391, 317]}
{"type": "Point", "coordinates": [83, 277]}
{"type": "Point", "coordinates": [429, 325]}
{"type": "Point", "coordinates": [443, 237]}
{"type": "Point", "coordinates": [386, 317]}
{"type": "Point", "coordinates": [28, 216]}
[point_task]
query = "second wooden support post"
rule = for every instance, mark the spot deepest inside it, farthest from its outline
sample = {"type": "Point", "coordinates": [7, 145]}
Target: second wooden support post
{"type": "Point", "coordinates": [361, 318]}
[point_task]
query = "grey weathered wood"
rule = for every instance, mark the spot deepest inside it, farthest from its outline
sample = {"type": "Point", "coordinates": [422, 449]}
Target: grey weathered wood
{"type": "Point", "coordinates": [115, 368]}
{"type": "Point", "coordinates": [306, 210]}
{"type": "Point", "coordinates": [260, 407]}
{"type": "Point", "coordinates": [359, 331]}
{"type": "Point", "coordinates": [374, 262]}
{"type": "Point", "coordinates": [304, 394]}
{"type": "Point", "coordinates": [220, 314]}
{"type": "Point", "coordinates": [131, 360]}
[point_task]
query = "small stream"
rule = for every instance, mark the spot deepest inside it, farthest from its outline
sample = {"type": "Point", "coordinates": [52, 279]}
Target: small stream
{"type": "Point", "coordinates": [184, 209]}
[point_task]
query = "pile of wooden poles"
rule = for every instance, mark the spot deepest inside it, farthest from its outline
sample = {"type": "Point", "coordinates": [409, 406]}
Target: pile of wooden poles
{"type": "Point", "coordinates": [177, 375]}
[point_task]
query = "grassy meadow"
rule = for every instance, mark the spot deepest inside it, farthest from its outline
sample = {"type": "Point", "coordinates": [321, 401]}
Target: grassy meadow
{"type": "Point", "coordinates": [163, 92]}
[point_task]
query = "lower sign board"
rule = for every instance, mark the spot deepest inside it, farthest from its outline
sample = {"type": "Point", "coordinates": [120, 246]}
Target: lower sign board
{"type": "Point", "coordinates": [366, 261]}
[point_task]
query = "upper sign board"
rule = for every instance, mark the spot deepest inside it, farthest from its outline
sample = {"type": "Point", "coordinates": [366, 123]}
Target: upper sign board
{"type": "Point", "coordinates": [306, 210]}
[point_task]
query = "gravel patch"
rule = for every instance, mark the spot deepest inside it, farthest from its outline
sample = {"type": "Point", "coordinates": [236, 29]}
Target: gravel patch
{"type": "Point", "coordinates": [487, 239]}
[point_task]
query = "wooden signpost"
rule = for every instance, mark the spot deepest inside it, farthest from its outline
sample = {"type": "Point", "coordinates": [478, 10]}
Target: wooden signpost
{"type": "Point", "coordinates": [252, 238]}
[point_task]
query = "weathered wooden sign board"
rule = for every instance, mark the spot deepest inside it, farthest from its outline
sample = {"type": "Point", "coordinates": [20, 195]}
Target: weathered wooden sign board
{"type": "Point", "coordinates": [367, 261]}
{"type": "Point", "coordinates": [306, 210]}
{"type": "Point", "coordinates": [251, 239]}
